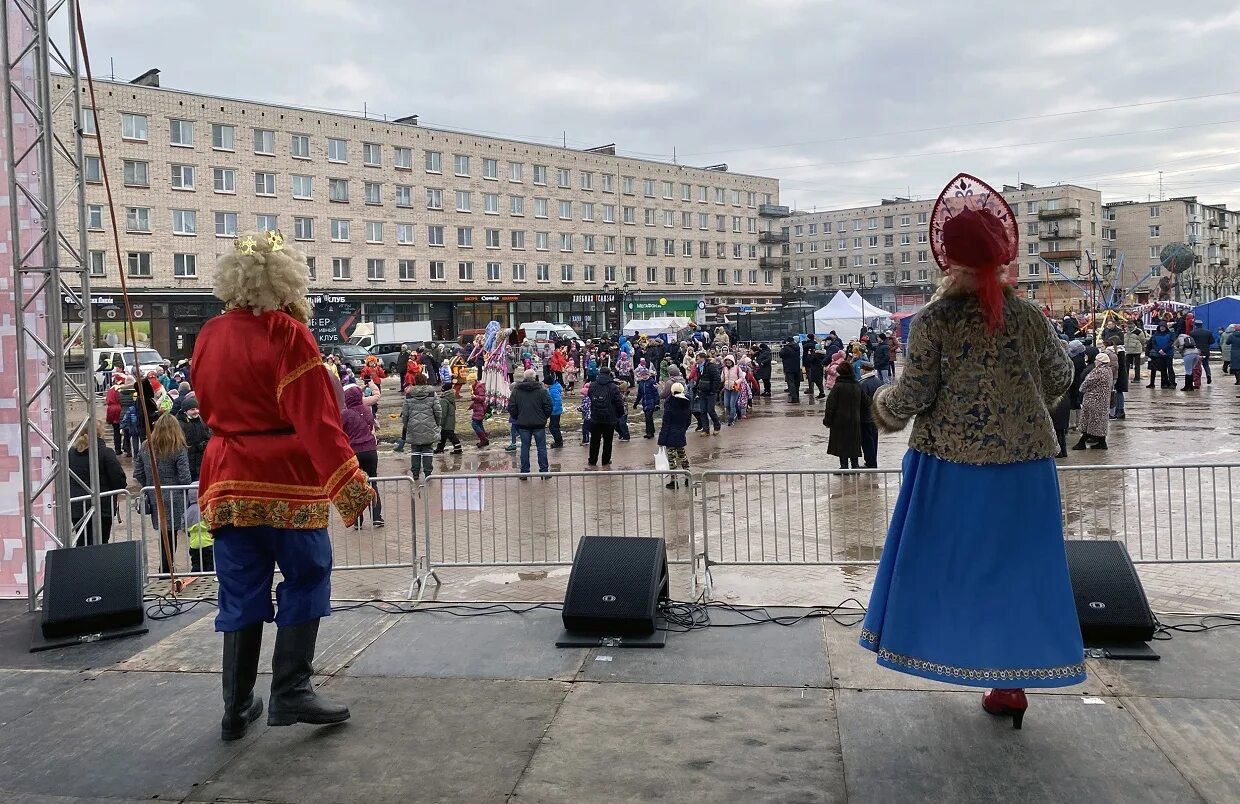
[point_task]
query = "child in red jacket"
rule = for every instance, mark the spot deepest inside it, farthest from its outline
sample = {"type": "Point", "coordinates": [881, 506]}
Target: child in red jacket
{"type": "Point", "coordinates": [478, 412]}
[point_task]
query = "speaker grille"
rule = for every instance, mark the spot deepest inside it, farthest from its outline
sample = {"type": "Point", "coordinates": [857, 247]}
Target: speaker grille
{"type": "Point", "coordinates": [91, 589]}
{"type": "Point", "coordinates": [1110, 601]}
{"type": "Point", "coordinates": [615, 585]}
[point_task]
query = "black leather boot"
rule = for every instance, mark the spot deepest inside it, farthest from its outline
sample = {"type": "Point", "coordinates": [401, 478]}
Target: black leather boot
{"type": "Point", "coordinates": [241, 706]}
{"type": "Point", "coordinates": [293, 699]}
{"type": "Point", "coordinates": [1078, 445]}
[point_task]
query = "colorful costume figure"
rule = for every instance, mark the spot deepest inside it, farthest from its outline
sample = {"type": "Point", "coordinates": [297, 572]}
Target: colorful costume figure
{"type": "Point", "coordinates": [497, 370]}
{"type": "Point", "coordinates": [277, 460]}
{"type": "Point", "coordinates": [973, 585]}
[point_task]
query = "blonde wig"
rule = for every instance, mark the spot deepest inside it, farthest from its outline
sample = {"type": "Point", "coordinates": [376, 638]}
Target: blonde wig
{"type": "Point", "coordinates": [264, 280]}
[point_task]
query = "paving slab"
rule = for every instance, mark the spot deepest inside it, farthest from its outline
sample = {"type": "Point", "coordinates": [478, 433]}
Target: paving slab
{"type": "Point", "coordinates": [15, 638]}
{"type": "Point", "coordinates": [854, 667]}
{"type": "Point", "coordinates": [29, 798]}
{"type": "Point", "coordinates": [439, 645]}
{"type": "Point", "coordinates": [119, 735]}
{"type": "Point", "coordinates": [23, 691]}
{"type": "Point", "coordinates": [640, 743]}
{"type": "Point", "coordinates": [941, 747]}
{"type": "Point", "coordinates": [441, 740]}
{"type": "Point", "coordinates": [198, 648]}
{"type": "Point", "coordinates": [1201, 737]}
{"type": "Point", "coordinates": [765, 655]}
{"type": "Point", "coordinates": [1201, 665]}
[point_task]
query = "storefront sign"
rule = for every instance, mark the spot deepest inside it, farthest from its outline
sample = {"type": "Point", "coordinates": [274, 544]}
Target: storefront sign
{"type": "Point", "coordinates": [663, 305]}
{"type": "Point", "coordinates": [333, 317]}
{"type": "Point", "coordinates": [95, 300]}
{"type": "Point", "coordinates": [510, 298]}
{"type": "Point", "coordinates": [594, 298]}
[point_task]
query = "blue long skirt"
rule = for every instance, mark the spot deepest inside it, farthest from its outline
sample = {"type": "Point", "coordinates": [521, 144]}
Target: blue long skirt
{"type": "Point", "coordinates": [973, 585]}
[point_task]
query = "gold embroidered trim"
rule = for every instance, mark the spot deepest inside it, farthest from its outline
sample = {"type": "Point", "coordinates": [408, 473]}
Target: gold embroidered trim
{"type": "Point", "coordinates": [309, 365]}
{"type": "Point", "coordinates": [257, 485]}
{"type": "Point", "coordinates": [246, 513]}
{"type": "Point", "coordinates": [973, 674]}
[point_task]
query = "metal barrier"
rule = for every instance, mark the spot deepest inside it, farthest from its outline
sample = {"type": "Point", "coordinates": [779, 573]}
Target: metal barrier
{"type": "Point", "coordinates": [518, 520]}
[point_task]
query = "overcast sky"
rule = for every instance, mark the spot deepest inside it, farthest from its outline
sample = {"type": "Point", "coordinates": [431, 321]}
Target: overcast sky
{"type": "Point", "coordinates": [844, 102]}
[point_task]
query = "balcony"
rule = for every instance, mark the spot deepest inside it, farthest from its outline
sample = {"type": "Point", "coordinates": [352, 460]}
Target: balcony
{"type": "Point", "coordinates": [773, 237]}
{"type": "Point", "coordinates": [1062, 254]}
{"type": "Point", "coordinates": [774, 262]}
{"type": "Point", "coordinates": [1059, 212]}
{"type": "Point", "coordinates": [1060, 233]}
{"type": "Point", "coordinates": [774, 211]}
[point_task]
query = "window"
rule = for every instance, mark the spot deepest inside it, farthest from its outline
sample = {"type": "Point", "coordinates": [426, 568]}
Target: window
{"type": "Point", "coordinates": [518, 272]}
{"type": "Point", "coordinates": [341, 268]}
{"type": "Point", "coordinates": [402, 159]}
{"type": "Point", "coordinates": [97, 260]}
{"type": "Point", "coordinates": [490, 203]}
{"type": "Point", "coordinates": [921, 256]}
{"type": "Point", "coordinates": [437, 274]}
{"type": "Point", "coordinates": [310, 268]}
{"type": "Point", "coordinates": [630, 273]}
{"type": "Point", "coordinates": [648, 188]}
{"type": "Point", "coordinates": [1155, 231]}
{"type": "Point", "coordinates": [541, 207]}
{"type": "Point", "coordinates": [180, 133]}
{"type": "Point", "coordinates": [721, 223]}
{"type": "Point", "coordinates": [184, 222]}
{"type": "Point", "coordinates": [566, 241]}
{"type": "Point", "coordinates": [133, 127]}
{"type": "Point", "coordinates": [669, 275]}
{"type": "Point", "coordinates": [222, 136]}
{"type": "Point", "coordinates": [139, 264]}
{"type": "Point", "coordinates": [264, 184]}
{"type": "Point", "coordinates": [404, 234]}
{"type": "Point", "coordinates": [266, 223]}
{"type": "Point", "coordinates": [264, 141]}
{"type": "Point", "coordinates": [1035, 269]}
{"type": "Point", "coordinates": [492, 238]}
{"type": "Point", "coordinates": [872, 241]}
{"type": "Point", "coordinates": [609, 273]}
{"type": "Point", "coordinates": [719, 197]}
{"type": "Point", "coordinates": [303, 187]}
{"type": "Point", "coordinates": [566, 210]}
{"type": "Point", "coordinates": [566, 273]}
{"type": "Point", "coordinates": [736, 251]}
{"type": "Point", "coordinates": [137, 219]}
{"type": "Point", "coordinates": [303, 228]}
{"type": "Point", "coordinates": [404, 195]}
{"type": "Point", "coordinates": [669, 218]}
{"type": "Point", "coordinates": [434, 164]}
{"type": "Point", "coordinates": [587, 180]}
{"type": "Point", "coordinates": [338, 190]}
{"type": "Point", "coordinates": [92, 169]}
{"type": "Point", "coordinates": [465, 236]}
{"type": "Point", "coordinates": [184, 266]}
{"type": "Point", "coordinates": [667, 189]}
{"type": "Point", "coordinates": [542, 241]}
{"type": "Point", "coordinates": [372, 154]}
{"type": "Point", "coordinates": [225, 224]}
{"type": "Point", "coordinates": [490, 169]}
{"type": "Point", "coordinates": [137, 173]}
{"type": "Point", "coordinates": [1033, 248]}
{"type": "Point", "coordinates": [374, 232]}
{"type": "Point", "coordinates": [652, 273]}
{"type": "Point", "coordinates": [630, 245]}
{"type": "Point", "coordinates": [543, 272]}
{"type": "Point", "coordinates": [650, 216]}
{"type": "Point", "coordinates": [515, 171]}
{"type": "Point", "coordinates": [540, 174]}
{"type": "Point", "coordinates": [1155, 252]}
{"type": "Point", "coordinates": [406, 270]}
{"type": "Point", "coordinates": [516, 205]}
{"type": "Point", "coordinates": [669, 247]}
{"type": "Point", "coordinates": [372, 192]}
{"type": "Point", "coordinates": [94, 217]}
{"type": "Point", "coordinates": [563, 178]}
{"type": "Point", "coordinates": [224, 180]}
{"type": "Point", "coordinates": [461, 164]}
{"type": "Point", "coordinates": [609, 213]}
{"type": "Point", "coordinates": [652, 247]}
{"type": "Point", "coordinates": [518, 239]}
{"type": "Point", "coordinates": [609, 244]}
{"type": "Point", "coordinates": [609, 183]}
{"type": "Point", "coordinates": [434, 198]}
{"type": "Point", "coordinates": [587, 243]}
{"type": "Point", "coordinates": [463, 200]}
{"type": "Point", "coordinates": [465, 271]}
{"type": "Point", "coordinates": [630, 214]}
{"type": "Point", "coordinates": [183, 177]}
{"type": "Point", "coordinates": [90, 124]}
{"type": "Point", "coordinates": [434, 235]}
{"type": "Point", "coordinates": [337, 150]}
{"type": "Point", "coordinates": [1155, 211]}
{"type": "Point", "coordinates": [493, 272]}
{"type": "Point", "coordinates": [374, 269]}
{"type": "Point", "coordinates": [299, 146]}
{"type": "Point", "coordinates": [339, 230]}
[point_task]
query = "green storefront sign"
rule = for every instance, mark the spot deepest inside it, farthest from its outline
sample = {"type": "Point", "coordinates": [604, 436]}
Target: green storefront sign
{"type": "Point", "coordinates": [664, 305]}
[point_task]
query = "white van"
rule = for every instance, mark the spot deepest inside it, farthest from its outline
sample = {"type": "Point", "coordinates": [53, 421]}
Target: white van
{"type": "Point", "coordinates": [543, 331]}
{"type": "Point", "coordinates": [148, 360]}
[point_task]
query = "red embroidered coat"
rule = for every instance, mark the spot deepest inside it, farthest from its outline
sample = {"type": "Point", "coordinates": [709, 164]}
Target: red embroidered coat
{"type": "Point", "coordinates": [278, 455]}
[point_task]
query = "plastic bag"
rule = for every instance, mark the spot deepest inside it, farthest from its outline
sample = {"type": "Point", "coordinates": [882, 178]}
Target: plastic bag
{"type": "Point", "coordinates": [661, 463]}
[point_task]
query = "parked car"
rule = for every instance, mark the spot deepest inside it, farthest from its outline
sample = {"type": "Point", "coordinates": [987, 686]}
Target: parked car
{"type": "Point", "coordinates": [355, 356]}
{"type": "Point", "coordinates": [387, 354]}
{"type": "Point", "coordinates": [121, 357]}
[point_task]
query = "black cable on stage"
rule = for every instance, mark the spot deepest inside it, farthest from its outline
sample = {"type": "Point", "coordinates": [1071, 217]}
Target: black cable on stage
{"type": "Point", "coordinates": [1164, 632]}
{"type": "Point", "coordinates": [165, 607]}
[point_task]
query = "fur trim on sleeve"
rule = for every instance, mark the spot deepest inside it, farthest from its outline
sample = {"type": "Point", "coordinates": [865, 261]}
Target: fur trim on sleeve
{"type": "Point", "coordinates": [884, 419]}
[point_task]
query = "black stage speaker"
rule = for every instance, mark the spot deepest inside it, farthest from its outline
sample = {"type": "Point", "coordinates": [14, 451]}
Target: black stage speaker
{"type": "Point", "coordinates": [616, 585]}
{"type": "Point", "coordinates": [88, 590]}
{"type": "Point", "coordinates": [1109, 599]}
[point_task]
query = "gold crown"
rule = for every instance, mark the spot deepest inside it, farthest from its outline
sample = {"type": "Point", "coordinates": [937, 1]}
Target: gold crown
{"type": "Point", "coordinates": [247, 245]}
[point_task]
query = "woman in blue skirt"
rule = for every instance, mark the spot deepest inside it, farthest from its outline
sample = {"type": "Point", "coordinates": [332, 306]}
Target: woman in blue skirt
{"type": "Point", "coordinates": [973, 586]}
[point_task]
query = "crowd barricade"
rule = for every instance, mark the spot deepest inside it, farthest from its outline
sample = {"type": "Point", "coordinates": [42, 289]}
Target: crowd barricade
{"type": "Point", "coordinates": [530, 520]}
{"type": "Point", "coordinates": [119, 502]}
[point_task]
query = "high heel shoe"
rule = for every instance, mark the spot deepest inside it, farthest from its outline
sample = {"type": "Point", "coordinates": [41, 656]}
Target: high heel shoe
{"type": "Point", "coordinates": [1006, 702]}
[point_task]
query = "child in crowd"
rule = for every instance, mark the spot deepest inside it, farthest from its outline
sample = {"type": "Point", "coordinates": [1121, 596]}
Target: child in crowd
{"type": "Point", "coordinates": [585, 414]}
{"type": "Point", "coordinates": [556, 390]}
{"type": "Point", "coordinates": [647, 397]}
{"type": "Point", "coordinates": [672, 430]}
{"type": "Point", "coordinates": [447, 419]}
{"type": "Point", "coordinates": [478, 412]}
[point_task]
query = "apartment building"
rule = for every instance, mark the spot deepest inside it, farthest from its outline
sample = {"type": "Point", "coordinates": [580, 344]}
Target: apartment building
{"type": "Point", "coordinates": [405, 222]}
{"type": "Point", "coordinates": [883, 250]}
{"type": "Point", "coordinates": [1140, 230]}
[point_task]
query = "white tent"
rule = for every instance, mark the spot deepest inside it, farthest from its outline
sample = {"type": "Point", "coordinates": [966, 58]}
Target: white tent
{"type": "Point", "coordinates": [840, 316]}
{"type": "Point", "coordinates": [661, 325]}
{"type": "Point", "coordinates": [869, 310]}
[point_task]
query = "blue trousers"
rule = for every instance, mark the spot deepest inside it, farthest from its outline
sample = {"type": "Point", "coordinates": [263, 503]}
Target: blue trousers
{"type": "Point", "coordinates": [540, 440]}
{"type": "Point", "coordinates": [245, 563]}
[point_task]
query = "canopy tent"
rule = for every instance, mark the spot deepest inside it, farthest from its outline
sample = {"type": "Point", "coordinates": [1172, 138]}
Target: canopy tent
{"type": "Point", "coordinates": [1219, 313]}
{"type": "Point", "coordinates": [904, 321]}
{"type": "Point", "coordinates": [840, 316]}
{"type": "Point", "coordinates": [867, 309]}
{"type": "Point", "coordinates": [661, 325]}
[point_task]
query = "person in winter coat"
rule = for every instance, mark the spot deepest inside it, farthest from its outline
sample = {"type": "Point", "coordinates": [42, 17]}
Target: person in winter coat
{"type": "Point", "coordinates": [1233, 345]}
{"type": "Point", "coordinates": [197, 434]}
{"type": "Point", "coordinates": [402, 365]}
{"type": "Point", "coordinates": [731, 377]}
{"type": "Point", "coordinates": [1134, 345]}
{"type": "Point", "coordinates": [165, 450]}
{"type": "Point", "coordinates": [478, 413]}
{"type": "Point", "coordinates": [556, 390]}
{"type": "Point", "coordinates": [1076, 353]}
{"type": "Point", "coordinates": [870, 383]}
{"type": "Point", "coordinates": [606, 409]}
{"type": "Point", "coordinates": [558, 363]}
{"type": "Point", "coordinates": [529, 407]}
{"type": "Point", "coordinates": [762, 358]}
{"type": "Point", "coordinates": [815, 366]}
{"type": "Point", "coordinates": [114, 410]}
{"type": "Point", "coordinates": [672, 430]}
{"type": "Point", "coordinates": [1224, 346]}
{"type": "Point", "coordinates": [1205, 340]}
{"type": "Point", "coordinates": [843, 417]}
{"type": "Point", "coordinates": [111, 478]}
{"type": "Point", "coordinates": [1192, 362]}
{"type": "Point", "coordinates": [1096, 401]}
{"type": "Point", "coordinates": [1061, 420]}
{"type": "Point", "coordinates": [421, 414]}
{"type": "Point", "coordinates": [447, 420]}
{"type": "Point", "coordinates": [882, 360]}
{"type": "Point", "coordinates": [707, 378]}
{"type": "Point", "coordinates": [358, 421]}
{"type": "Point", "coordinates": [1160, 348]}
{"type": "Point", "coordinates": [647, 397]}
{"type": "Point", "coordinates": [674, 375]}
{"type": "Point", "coordinates": [833, 370]}
{"type": "Point", "coordinates": [790, 356]}
{"type": "Point", "coordinates": [1119, 371]}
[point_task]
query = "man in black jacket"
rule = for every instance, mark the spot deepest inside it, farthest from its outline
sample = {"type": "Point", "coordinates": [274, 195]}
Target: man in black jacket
{"type": "Point", "coordinates": [529, 405]}
{"type": "Point", "coordinates": [790, 356]}
{"type": "Point", "coordinates": [402, 365]}
{"type": "Point", "coordinates": [1204, 339]}
{"type": "Point", "coordinates": [870, 382]}
{"type": "Point", "coordinates": [709, 384]}
{"type": "Point", "coordinates": [762, 359]}
{"type": "Point", "coordinates": [814, 371]}
{"type": "Point", "coordinates": [807, 353]}
{"type": "Point", "coordinates": [606, 409]}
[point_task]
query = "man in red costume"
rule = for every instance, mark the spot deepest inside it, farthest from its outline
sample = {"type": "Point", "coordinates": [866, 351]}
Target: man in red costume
{"type": "Point", "coordinates": [277, 460]}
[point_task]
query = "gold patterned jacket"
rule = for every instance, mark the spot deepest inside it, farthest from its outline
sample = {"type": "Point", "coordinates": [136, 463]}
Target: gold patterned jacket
{"type": "Point", "coordinates": [978, 398]}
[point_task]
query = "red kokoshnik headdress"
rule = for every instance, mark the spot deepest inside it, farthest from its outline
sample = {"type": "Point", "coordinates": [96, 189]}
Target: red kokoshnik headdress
{"type": "Point", "coordinates": [973, 226]}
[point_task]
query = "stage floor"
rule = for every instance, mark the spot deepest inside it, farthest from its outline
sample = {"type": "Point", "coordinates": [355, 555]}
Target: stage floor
{"type": "Point", "coordinates": [485, 709]}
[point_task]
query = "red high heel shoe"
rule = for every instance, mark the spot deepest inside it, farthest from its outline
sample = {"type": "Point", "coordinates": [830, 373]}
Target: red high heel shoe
{"type": "Point", "coordinates": [1005, 702]}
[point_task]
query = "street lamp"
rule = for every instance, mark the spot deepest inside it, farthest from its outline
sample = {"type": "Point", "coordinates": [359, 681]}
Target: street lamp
{"type": "Point", "coordinates": [623, 290]}
{"type": "Point", "coordinates": [797, 293]}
